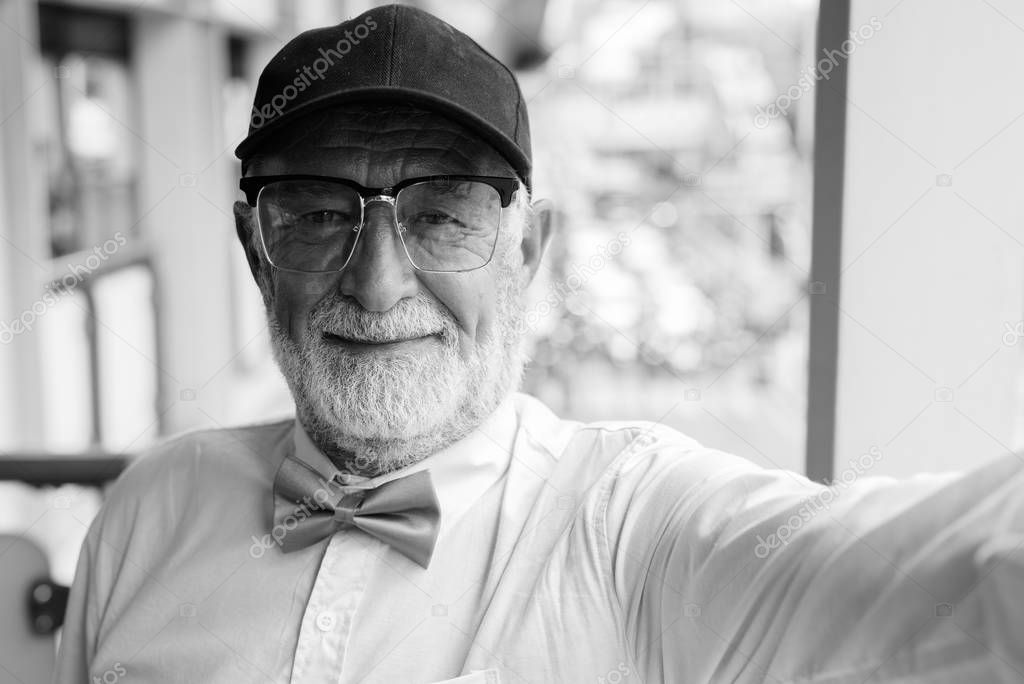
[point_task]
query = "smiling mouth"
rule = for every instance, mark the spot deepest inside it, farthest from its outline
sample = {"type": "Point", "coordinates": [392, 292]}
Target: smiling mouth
{"type": "Point", "coordinates": [374, 344]}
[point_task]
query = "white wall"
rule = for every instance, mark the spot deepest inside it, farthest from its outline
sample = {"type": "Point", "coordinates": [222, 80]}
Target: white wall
{"type": "Point", "coordinates": [933, 235]}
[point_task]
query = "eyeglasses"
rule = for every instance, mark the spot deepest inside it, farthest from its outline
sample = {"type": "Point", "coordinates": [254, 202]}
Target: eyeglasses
{"type": "Point", "coordinates": [311, 224]}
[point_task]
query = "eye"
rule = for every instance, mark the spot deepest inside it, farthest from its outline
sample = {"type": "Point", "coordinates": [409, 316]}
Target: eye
{"type": "Point", "coordinates": [433, 218]}
{"type": "Point", "coordinates": [325, 216]}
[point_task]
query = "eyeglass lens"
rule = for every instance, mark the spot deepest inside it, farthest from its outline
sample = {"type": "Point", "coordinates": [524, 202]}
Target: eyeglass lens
{"type": "Point", "coordinates": [312, 226]}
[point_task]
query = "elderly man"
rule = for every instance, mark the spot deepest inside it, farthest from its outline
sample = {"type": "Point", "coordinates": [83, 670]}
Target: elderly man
{"type": "Point", "coordinates": [422, 521]}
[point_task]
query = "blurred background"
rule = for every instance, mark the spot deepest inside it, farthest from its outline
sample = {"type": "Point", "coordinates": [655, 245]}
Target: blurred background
{"type": "Point", "coordinates": [678, 142]}
{"type": "Point", "coordinates": [674, 292]}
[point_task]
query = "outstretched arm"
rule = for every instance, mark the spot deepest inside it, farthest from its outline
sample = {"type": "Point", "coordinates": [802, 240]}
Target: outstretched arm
{"type": "Point", "coordinates": [729, 572]}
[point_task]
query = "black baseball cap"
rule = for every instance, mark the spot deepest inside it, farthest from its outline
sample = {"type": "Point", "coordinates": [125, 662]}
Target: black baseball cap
{"type": "Point", "coordinates": [399, 54]}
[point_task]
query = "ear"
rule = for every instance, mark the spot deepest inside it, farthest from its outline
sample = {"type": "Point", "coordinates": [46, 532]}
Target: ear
{"type": "Point", "coordinates": [537, 238]}
{"type": "Point", "coordinates": [245, 227]}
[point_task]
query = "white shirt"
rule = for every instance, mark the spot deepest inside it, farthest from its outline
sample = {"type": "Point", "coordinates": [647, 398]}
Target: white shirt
{"type": "Point", "coordinates": [568, 552]}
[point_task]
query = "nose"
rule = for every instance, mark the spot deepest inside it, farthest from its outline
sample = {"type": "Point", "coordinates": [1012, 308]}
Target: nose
{"type": "Point", "coordinates": [379, 274]}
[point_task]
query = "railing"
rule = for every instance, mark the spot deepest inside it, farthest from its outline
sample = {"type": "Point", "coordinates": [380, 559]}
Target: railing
{"type": "Point", "coordinates": [94, 469]}
{"type": "Point", "coordinates": [47, 600]}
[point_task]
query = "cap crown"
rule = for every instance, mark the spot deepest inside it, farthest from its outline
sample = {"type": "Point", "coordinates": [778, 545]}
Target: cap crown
{"type": "Point", "coordinates": [400, 54]}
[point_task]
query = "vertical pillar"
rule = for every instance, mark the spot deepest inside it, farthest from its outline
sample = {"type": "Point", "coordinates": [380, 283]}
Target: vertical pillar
{"type": "Point", "coordinates": [186, 202]}
{"type": "Point", "coordinates": [829, 155]}
{"type": "Point", "coordinates": [24, 266]}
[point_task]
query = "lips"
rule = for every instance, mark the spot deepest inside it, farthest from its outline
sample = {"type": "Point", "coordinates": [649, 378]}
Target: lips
{"type": "Point", "coordinates": [342, 339]}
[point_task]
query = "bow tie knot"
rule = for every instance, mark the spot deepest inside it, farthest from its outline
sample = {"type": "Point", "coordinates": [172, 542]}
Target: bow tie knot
{"type": "Point", "coordinates": [348, 505]}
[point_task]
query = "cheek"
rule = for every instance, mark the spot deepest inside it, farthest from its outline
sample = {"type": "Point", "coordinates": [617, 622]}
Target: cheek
{"type": "Point", "coordinates": [472, 299]}
{"type": "Point", "coordinates": [295, 295]}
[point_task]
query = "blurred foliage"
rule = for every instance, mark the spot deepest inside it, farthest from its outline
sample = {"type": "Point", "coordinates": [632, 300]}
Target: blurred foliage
{"type": "Point", "coordinates": [654, 137]}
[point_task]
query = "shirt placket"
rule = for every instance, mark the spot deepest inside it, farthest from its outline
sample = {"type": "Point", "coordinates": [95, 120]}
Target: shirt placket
{"type": "Point", "coordinates": [327, 621]}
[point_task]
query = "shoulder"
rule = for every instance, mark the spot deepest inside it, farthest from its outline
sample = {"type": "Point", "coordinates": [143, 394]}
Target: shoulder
{"type": "Point", "coordinates": [631, 453]}
{"type": "Point", "coordinates": [208, 452]}
{"type": "Point", "coordinates": [179, 499]}
{"type": "Point", "coordinates": [553, 432]}
{"type": "Point", "coordinates": [186, 470]}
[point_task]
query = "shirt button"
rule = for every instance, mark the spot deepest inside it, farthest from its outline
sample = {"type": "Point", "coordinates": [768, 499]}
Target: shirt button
{"type": "Point", "coordinates": [326, 621]}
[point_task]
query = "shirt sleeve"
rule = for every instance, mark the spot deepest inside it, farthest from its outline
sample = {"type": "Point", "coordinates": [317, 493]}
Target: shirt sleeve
{"type": "Point", "coordinates": [727, 572]}
{"type": "Point", "coordinates": [77, 639]}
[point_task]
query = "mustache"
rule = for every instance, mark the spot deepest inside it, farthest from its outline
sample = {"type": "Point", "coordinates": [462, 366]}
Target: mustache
{"type": "Point", "coordinates": [408, 318]}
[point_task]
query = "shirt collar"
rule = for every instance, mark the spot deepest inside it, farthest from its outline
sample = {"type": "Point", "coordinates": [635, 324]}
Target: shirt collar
{"type": "Point", "coordinates": [461, 472]}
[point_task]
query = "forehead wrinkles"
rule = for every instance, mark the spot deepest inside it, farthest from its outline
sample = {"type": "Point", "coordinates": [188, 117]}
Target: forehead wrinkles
{"type": "Point", "coordinates": [374, 138]}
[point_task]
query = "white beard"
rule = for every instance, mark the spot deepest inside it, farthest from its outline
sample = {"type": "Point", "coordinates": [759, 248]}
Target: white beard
{"type": "Point", "coordinates": [375, 412]}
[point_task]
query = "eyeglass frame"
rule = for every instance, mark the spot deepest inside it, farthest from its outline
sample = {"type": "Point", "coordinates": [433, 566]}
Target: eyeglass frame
{"type": "Point", "coordinates": [252, 186]}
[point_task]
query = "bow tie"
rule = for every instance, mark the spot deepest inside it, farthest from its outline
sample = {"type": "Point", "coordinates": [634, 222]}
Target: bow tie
{"type": "Point", "coordinates": [403, 513]}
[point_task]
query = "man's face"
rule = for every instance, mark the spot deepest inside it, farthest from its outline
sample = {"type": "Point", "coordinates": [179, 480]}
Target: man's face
{"type": "Point", "coordinates": [453, 348]}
